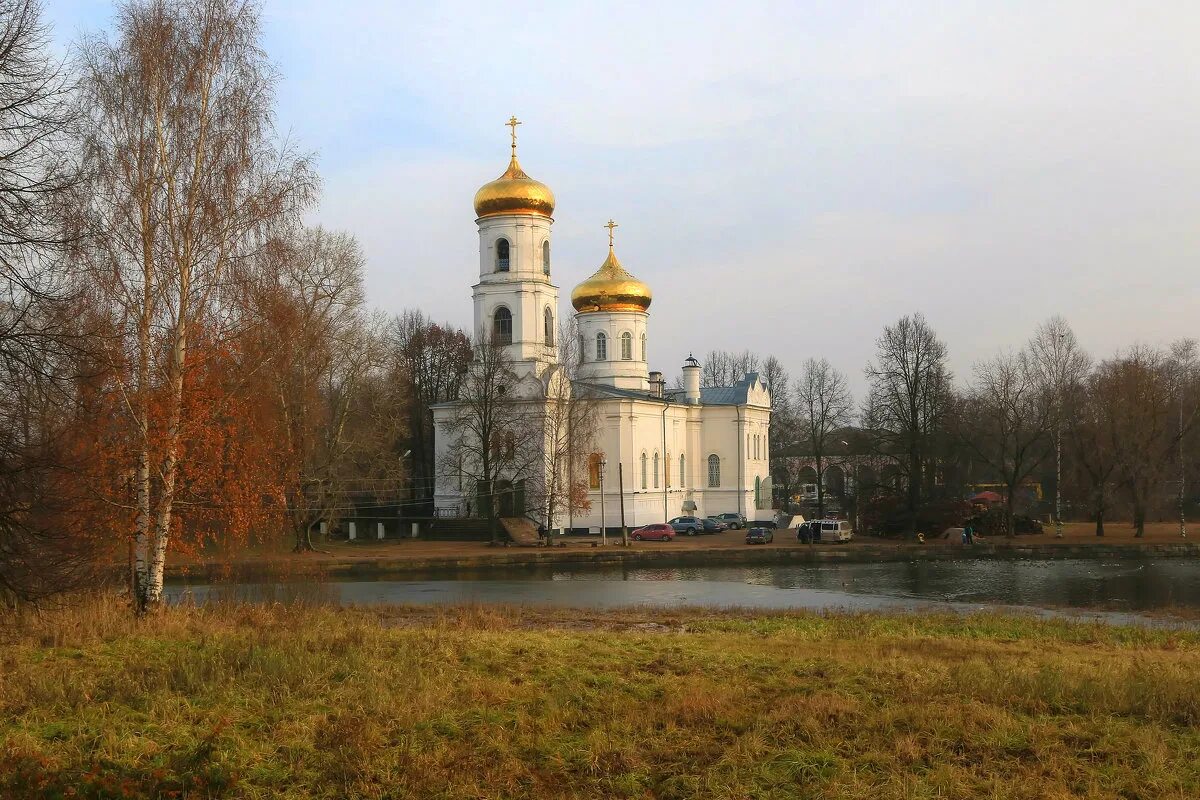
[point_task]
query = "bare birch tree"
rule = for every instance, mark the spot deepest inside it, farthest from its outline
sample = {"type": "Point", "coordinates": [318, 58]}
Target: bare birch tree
{"type": "Point", "coordinates": [572, 426]}
{"type": "Point", "coordinates": [824, 405]}
{"type": "Point", "coordinates": [1059, 366]}
{"type": "Point", "coordinates": [187, 175]}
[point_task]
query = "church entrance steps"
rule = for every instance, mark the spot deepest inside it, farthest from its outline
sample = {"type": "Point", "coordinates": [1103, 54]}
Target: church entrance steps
{"type": "Point", "coordinates": [465, 529]}
{"type": "Point", "coordinates": [522, 531]}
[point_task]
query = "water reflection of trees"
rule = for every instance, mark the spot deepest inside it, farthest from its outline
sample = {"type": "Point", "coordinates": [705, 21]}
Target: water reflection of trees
{"type": "Point", "coordinates": [317, 593]}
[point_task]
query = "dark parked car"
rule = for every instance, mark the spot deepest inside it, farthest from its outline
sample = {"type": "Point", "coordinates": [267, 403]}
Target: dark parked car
{"type": "Point", "coordinates": [659, 531]}
{"type": "Point", "coordinates": [687, 525]}
{"type": "Point", "coordinates": [735, 521]}
{"type": "Point", "coordinates": [759, 536]}
{"type": "Point", "coordinates": [713, 526]}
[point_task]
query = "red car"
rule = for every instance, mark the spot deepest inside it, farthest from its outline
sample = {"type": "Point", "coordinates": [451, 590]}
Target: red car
{"type": "Point", "coordinates": [659, 531]}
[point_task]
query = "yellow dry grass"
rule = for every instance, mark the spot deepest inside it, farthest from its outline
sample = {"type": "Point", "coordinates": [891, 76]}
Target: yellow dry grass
{"type": "Point", "coordinates": [484, 702]}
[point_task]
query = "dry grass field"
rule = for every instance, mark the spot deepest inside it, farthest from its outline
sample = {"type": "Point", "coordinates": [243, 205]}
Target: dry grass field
{"type": "Point", "coordinates": [481, 702]}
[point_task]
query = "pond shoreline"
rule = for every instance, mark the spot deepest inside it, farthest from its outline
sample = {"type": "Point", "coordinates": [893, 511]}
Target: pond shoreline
{"type": "Point", "coordinates": [579, 555]}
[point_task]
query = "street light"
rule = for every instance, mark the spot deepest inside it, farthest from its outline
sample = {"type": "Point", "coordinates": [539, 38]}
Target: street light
{"type": "Point", "coordinates": [603, 528]}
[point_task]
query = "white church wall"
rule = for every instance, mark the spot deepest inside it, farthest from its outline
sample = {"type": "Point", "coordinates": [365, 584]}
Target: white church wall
{"type": "Point", "coordinates": [613, 370]}
{"type": "Point", "coordinates": [525, 290]}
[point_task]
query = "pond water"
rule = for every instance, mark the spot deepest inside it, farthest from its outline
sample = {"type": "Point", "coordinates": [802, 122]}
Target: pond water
{"type": "Point", "coordinates": [1130, 586]}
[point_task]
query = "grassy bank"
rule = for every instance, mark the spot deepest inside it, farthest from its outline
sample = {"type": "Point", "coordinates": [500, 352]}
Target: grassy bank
{"type": "Point", "coordinates": [484, 702]}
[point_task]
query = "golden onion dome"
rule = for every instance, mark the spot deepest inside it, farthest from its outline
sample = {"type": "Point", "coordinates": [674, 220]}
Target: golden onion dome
{"type": "Point", "coordinates": [514, 192]}
{"type": "Point", "coordinates": [611, 289]}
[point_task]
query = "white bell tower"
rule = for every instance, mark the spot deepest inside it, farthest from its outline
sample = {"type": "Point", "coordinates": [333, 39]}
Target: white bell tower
{"type": "Point", "coordinates": [515, 301]}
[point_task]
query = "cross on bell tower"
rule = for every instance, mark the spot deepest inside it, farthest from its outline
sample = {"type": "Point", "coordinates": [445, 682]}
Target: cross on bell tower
{"type": "Point", "coordinates": [512, 123]}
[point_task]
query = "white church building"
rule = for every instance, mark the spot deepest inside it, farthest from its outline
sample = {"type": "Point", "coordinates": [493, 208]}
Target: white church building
{"type": "Point", "coordinates": [694, 450]}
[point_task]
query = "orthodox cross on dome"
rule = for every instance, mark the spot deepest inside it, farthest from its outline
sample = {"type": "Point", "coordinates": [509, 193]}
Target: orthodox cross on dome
{"type": "Point", "coordinates": [610, 227]}
{"type": "Point", "coordinates": [513, 122]}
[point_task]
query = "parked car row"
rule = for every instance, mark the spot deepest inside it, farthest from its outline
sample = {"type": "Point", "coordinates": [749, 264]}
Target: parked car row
{"type": "Point", "coordinates": [757, 533]}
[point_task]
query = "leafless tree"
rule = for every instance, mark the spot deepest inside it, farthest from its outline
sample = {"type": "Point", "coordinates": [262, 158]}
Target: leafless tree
{"type": "Point", "coordinates": [1183, 363]}
{"type": "Point", "coordinates": [907, 402]}
{"type": "Point", "coordinates": [1137, 388]}
{"type": "Point", "coordinates": [725, 368]}
{"type": "Point", "coordinates": [429, 360]}
{"type": "Point", "coordinates": [1091, 430]}
{"type": "Point", "coordinates": [42, 346]}
{"type": "Point", "coordinates": [1058, 365]}
{"type": "Point", "coordinates": [824, 405]}
{"type": "Point", "coordinates": [187, 176]}
{"type": "Point", "coordinates": [496, 434]}
{"type": "Point", "coordinates": [1008, 421]}
{"type": "Point", "coordinates": [559, 488]}
{"type": "Point", "coordinates": [319, 351]}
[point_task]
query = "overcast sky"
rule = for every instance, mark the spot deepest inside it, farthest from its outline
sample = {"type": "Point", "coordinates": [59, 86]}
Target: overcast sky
{"type": "Point", "coordinates": [788, 177]}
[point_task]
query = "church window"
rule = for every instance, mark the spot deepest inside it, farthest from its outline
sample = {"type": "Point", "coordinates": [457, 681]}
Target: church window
{"type": "Point", "coordinates": [645, 463]}
{"type": "Point", "coordinates": [594, 471]}
{"type": "Point", "coordinates": [502, 327]}
{"type": "Point", "coordinates": [757, 492]}
{"type": "Point", "coordinates": [601, 346]}
{"type": "Point", "coordinates": [510, 446]}
{"type": "Point", "coordinates": [502, 255]}
{"type": "Point", "coordinates": [582, 352]}
{"type": "Point", "coordinates": [682, 472]}
{"type": "Point", "coordinates": [644, 347]}
{"type": "Point", "coordinates": [714, 470]}
{"type": "Point", "coordinates": [546, 257]}
{"type": "Point", "coordinates": [626, 346]}
{"type": "Point", "coordinates": [549, 326]}
{"type": "Point", "coordinates": [655, 471]}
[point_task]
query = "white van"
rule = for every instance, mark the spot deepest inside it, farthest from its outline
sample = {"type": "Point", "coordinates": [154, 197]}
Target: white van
{"type": "Point", "coordinates": [836, 530]}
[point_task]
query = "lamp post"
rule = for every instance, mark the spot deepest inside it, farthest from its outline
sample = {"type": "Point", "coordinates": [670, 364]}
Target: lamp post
{"type": "Point", "coordinates": [854, 472]}
{"type": "Point", "coordinates": [603, 527]}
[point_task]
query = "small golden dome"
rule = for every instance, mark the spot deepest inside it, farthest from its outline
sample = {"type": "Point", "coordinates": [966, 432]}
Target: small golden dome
{"type": "Point", "coordinates": [611, 289]}
{"type": "Point", "coordinates": [514, 192]}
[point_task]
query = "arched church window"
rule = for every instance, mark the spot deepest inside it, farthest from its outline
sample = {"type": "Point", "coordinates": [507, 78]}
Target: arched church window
{"type": "Point", "coordinates": [548, 324]}
{"type": "Point", "coordinates": [655, 471]}
{"type": "Point", "coordinates": [714, 470]}
{"type": "Point", "coordinates": [645, 462]}
{"type": "Point", "coordinates": [682, 472]}
{"type": "Point", "coordinates": [594, 471]}
{"type": "Point", "coordinates": [626, 346]}
{"type": "Point", "coordinates": [510, 445]}
{"type": "Point", "coordinates": [502, 255]}
{"type": "Point", "coordinates": [757, 492]}
{"type": "Point", "coordinates": [644, 348]}
{"type": "Point", "coordinates": [582, 352]}
{"type": "Point", "coordinates": [601, 346]}
{"type": "Point", "coordinates": [502, 326]}
{"type": "Point", "coordinates": [546, 257]}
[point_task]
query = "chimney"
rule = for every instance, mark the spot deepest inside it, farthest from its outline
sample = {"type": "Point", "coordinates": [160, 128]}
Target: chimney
{"type": "Point", "coordinates": [691, 381]}
{"type": "Point", "coordinates": [656, 384]}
